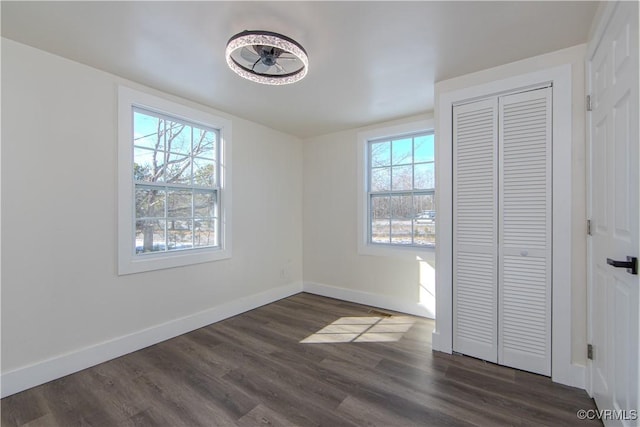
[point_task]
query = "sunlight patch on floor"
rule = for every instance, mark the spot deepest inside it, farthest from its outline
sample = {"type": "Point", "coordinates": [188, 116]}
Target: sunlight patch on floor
{"type": "Point", "coordinates": [362, 329]}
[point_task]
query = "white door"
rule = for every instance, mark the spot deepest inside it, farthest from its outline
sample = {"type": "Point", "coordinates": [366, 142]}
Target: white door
{"type": "Point", "coordinates": [502, 230]}
{"type": "Point", "coordinates": [475, 229]}
{"type": "Point", "coordinates": [614, 298]}
{"type": "Point", "coordinates": [524, 298]}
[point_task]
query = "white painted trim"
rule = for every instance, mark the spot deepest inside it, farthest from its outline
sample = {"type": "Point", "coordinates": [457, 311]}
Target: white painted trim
{"type": "Point", "coordinates": [561, 366]}
{"type": "Point", "coordinates": [600, 23]}
{"type": "Point", "coordinates": [364, 248]}
{"type": "Point", "coordinates": [563, 371]}
{"type": "Point", "coordinates": [128, 262]}
{"type": "Point", "coordinates": [575, 376]}
{"type": "Point", "coordinates": [367, 298]}
{"type": "Point", "coordinates": [50, 369]}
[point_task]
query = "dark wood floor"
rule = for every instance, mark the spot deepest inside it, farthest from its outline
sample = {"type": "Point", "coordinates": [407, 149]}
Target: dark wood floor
{"type": "Point", "coordinates": [252, 370]}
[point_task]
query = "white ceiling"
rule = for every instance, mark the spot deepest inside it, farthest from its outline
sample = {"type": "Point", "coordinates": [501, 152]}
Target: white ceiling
{"type": "Point", "coordinates": [369, 61]}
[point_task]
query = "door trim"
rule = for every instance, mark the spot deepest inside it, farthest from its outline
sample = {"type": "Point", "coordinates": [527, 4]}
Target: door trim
{"type": "Point", "coordinates": [594, 42]}
{"type": "Point", "coordinates": [563, 370]}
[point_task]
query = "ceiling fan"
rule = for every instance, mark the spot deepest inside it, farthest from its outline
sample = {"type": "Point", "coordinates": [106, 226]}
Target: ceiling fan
{"type": "Point", "coordinates": [267, 57]}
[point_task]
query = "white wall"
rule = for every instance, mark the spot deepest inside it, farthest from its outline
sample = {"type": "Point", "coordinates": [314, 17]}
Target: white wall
{"type": "Point", "coordinates": [575, 57]}
{"type": "Point", "coordinates": [60, 290]}
{"type": "Point", "coordinates": [332, 265]}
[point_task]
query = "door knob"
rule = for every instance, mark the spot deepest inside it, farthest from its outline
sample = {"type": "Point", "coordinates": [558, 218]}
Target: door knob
{"type": "Point", "coordinates": [631, 264]}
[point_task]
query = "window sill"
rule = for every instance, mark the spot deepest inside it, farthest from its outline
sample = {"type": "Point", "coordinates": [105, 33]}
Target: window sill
{"type": "Point", "coordinates": [406, 252]}
{"type": "Point", "coordinates": [150, 262]}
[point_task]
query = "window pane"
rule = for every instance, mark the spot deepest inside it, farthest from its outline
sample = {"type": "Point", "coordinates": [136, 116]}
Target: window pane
{"type": "Point", "coordinates": [381, 179]}
{"type": "Point", "coordinates": [424, 223]}
{"type": "Point", "coordinates": [401, 232]}
{"type": "Point", "coordinates": [380, 231]}
{"type": "Point", "coordinates": [402, 178]}
{"type": "Point", "coordinates": [423, 149]}
{"type": "Point", "coordinates": [149, 202]}
{"type": "Point", "coordinates": [399, 171]}
{"type": "Point", "coordinates": [424, 234]}
{"type": "Point", "coordinates": [179, 203]}
{"type": "Point", "coordinates": [179, 234]}
{"type": "Point", "coordinates": [204, 204]}
{"type": "Point", "coordinates": [204, 143]}
{"type": "Point", "coordinates": [402, 207]}
{"type": "Point", "coordinates": [178, 169]}
{"type": "Point", "coordinates": [205, 233]}
{"type": "Point", "coordinates": [178, 138]}
{"type": "Point", "coordinates": [203, 172]}
{"type": "Point", "coordinates": [147, 165]}
{"type": "Point", "coordinates": [380, 207]}
{"type": "Point", "coordinates": [402, 152]}
{"type": "Point", "coordinates": [424, 202]}
{"type": "Point", "coordinates": [148, 131]}
{"type": "Point", "coordinates": [424, 176]}
{"type": "Point", "coordinates": [150, 236]}
{"type": "Point", "coordinates": [381, 154]}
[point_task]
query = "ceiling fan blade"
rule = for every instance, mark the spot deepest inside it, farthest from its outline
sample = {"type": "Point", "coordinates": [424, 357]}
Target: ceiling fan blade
{"type": "Point", "coordinates": [260, 68]}
{"type": "Point", "coordinates": [280, 69]}
{"type": "Point", "coordinates": [249, 55]}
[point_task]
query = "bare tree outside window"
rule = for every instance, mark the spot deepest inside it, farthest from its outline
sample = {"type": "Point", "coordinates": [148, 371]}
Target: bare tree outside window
{"type": "Point", "coordinates": [175, 173]}
{"type": "Point", "coordinates": [401, 190]}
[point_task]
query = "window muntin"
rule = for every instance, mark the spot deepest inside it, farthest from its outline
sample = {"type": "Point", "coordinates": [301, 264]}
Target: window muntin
{"type": "Point", "coordinates": [401, 190]}
{"type": "Point", "coordinates": [176, 183]}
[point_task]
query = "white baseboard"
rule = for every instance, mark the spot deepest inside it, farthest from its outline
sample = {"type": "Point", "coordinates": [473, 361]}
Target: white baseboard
{"type": "Point", "coordinates": [574, 376]}
{"type": "Point", "coordinates": [47, 370]}
{"type": "Point", "coordinates": [437, 345]}
{"type": "Point", "coordinates": [366, 298]}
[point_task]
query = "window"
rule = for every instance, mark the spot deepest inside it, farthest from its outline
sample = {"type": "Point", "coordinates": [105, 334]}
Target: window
{"type": "Point", "coordinates": [174, 193]}
{"type": "Point", "coordinates": [175, 178]}
{"type": "Point", "coordinates": [398, 197]}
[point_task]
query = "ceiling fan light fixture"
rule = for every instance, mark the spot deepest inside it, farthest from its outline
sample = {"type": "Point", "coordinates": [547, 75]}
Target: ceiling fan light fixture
{"type": "Point", "coordinates": [266, 57]}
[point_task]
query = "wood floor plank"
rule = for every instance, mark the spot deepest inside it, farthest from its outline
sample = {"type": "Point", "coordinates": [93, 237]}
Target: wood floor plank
{"type": "Point", "coordinates": [547, 406]}
{"type": "Point", "coordinates": [405, 401]}
{"type": "Point", "coordinates": [71, 402]}
{"type": "Point", "coordinates": [294, 381]}
{"type": "Point", "coordinates": [43, 421]}
{"type": "Point", "coordinates": [369, 414]}
{"type": "Point", "coordinates": [473, 402]}
{"type": "Point", "coordinates": [259, 368]}
{"type": "Point", "coordinates": [262, 415]}
{"type": "Point", "coordinates": [25, 409]}
{"type": "Point", "coordinates": [183, 383]}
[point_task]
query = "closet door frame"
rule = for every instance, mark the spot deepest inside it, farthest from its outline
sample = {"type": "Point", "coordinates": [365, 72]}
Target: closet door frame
{"type": "Point", "coordinates": [562, 368]}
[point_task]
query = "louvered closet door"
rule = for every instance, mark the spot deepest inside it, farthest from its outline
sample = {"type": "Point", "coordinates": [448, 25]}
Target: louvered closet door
{"type": "Point", "coordinates": [524, 302]}
{"type": "Point", "coordinates": [475, 232]}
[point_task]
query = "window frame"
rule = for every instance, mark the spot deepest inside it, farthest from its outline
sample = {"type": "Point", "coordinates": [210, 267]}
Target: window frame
{"type": "Point", "coordinates": [365, 246]}
{"type": "Point", "coordinates": [130, 100]}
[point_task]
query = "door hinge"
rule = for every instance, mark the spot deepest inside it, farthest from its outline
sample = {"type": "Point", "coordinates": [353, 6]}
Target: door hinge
{"type": "Point", "coordinates": [589, 108]}
{"type": "Point", "coordinates": [589, 351]}
{"type": "Point", "coordinates": [589, 227]}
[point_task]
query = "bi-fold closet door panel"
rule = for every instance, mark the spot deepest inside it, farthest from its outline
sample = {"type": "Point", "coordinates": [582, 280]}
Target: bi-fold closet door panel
{"type": "Point", "coordinates": [502, 230]}
{"type": "Point", "coordinates": [475, 229]}
{"type": "Point", "coordinates": [524, 302]}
